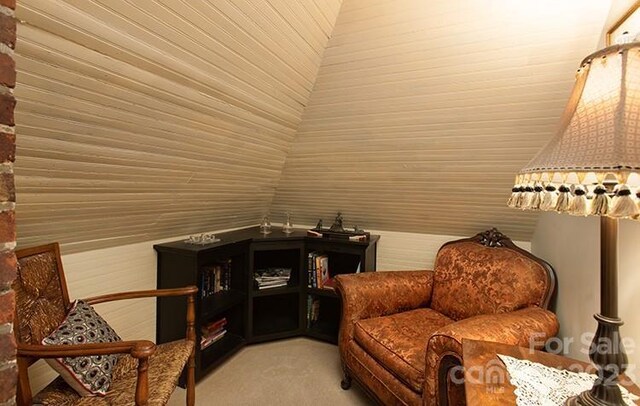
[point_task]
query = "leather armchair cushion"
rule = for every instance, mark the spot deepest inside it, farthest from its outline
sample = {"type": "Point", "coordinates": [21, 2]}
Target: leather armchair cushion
{"type": "Point", "coordinates": [399, 342]}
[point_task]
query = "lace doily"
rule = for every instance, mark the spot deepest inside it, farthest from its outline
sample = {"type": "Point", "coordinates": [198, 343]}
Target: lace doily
{"type": "Point", "coordinates": [539, 385]}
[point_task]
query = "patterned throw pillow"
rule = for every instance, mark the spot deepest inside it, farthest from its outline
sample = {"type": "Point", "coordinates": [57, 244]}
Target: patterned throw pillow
{"type": "Point", "coordinates": [88, 375]}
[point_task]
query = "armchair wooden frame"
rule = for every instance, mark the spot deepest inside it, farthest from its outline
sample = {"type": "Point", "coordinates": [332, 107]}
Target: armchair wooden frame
{"type": "Point", "coordinates": [141, 350]}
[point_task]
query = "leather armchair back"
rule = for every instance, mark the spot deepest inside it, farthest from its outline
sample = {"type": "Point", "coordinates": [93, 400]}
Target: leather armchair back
{"type": "Point", "coordinates": [477, 276]}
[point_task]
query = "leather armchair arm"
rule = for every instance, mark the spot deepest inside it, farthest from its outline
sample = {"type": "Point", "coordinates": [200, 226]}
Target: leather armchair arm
{"type": "Point", "coordinates": [374, 294]}
{"type": "Point", "coordinates": [527, 327]}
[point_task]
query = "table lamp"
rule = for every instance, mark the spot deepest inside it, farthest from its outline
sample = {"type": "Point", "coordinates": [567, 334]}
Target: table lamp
{"type": "Point", "coordinates": [592, 167]}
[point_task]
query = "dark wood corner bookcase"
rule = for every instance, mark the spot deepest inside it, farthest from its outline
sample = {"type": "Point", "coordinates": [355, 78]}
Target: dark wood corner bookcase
{"type": "Point", "coordinates": [254, 315]}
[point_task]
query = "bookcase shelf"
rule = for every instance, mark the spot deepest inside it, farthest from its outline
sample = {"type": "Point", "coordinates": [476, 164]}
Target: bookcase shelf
{"type": "Point", "coordinates": [323, 317]}
{"type": "Point", "coordinates": [221, 301]}
{"type": "Point", "coordinates": [220, 350]}
{"type": "Point", "coordinates": [254, 315]}
{"type": "Point", "coordinates": [275, 291]}
{"type": "Point", "coordinates": [276, 314]}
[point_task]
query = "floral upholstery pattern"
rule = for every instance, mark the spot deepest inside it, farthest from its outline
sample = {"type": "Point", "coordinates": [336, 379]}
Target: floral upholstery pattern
{"type": "Point", "coordinates": [375, 294]}
{"type": "Point", "coordinates": [383, 384]}
{"type": "Point", "coordinates": [491, 279]}
{"type": "Point", "coordinates": [521, 328]}
{"type": "Point", "coordinates": [397, 342]}
{"type": "Point", "coordinates": [391, 319]}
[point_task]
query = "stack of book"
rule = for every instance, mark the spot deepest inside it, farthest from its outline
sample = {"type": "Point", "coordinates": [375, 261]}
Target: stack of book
{"type": "Point", "coordinates": [318, 271]}
{"type": "Point", "coordinates": [215, 278]}
{"type": "Point", "coordinates": [213, 332]}
{"type": "Point", "coordinates": [271, 277]}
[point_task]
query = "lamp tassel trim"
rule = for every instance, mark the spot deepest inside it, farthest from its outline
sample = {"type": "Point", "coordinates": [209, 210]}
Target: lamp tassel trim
{"type": "Point", "coordinates": [578, 199]}
{"type": "Point", "coordinates": [623, 204]}
{"type": "Point", "coordinates": [564, 199]}
{"type": "Point", "coordinates": [601, 201]}
{"type": "Point", "coordinates": [519, 198]}
{"type": "Point", "coordinates": [515, 191]}
{"type": "Point", "coordinates": [536, 200]}
{"type": "Point", "coordinates": [527, 197]}
{"type": "Point", "coordinates": [579, 203]}
{"type": "Point", "coordinates": [549, 198]}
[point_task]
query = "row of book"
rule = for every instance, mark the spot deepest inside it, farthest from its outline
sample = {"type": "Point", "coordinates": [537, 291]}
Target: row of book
{"type": "Point", "coordinates": [271, 277]}
{"type": "Point", "coordinates": [215, 278]}
{"type": "Point", "coordinates": [318, 271]}
{"type": "Point", "coordinates": [212, 332]}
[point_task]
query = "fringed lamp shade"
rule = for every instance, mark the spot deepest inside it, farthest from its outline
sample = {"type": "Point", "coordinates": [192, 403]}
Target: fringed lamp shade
{"type": "Point", "coordinates": [592, 165]}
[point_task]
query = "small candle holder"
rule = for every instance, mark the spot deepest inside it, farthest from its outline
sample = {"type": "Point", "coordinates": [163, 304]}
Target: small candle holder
{"type": "Point", "coordinates": [287, 227]}
{"type": "Point", "coordinates": [265, 225]}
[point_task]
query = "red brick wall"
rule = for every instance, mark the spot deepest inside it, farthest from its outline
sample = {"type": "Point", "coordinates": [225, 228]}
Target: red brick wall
{"type": "Point", "coordinates": [8, 368]}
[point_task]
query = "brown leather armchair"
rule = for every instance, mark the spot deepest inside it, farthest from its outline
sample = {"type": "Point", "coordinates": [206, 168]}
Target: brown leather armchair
{"type": "Point", "coordinates": [401, 332]}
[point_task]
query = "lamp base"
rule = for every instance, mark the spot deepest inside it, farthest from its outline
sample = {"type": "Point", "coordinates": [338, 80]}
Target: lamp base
{"type": "Point", "coordinates": [611, 362]}
{"type": "Point", "coordinates": [586, 398]}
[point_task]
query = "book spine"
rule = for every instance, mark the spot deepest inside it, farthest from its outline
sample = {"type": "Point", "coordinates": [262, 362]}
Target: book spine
{"type": "Point", "coordinates": [202, 285]}
{"type": "Point", "coordinates": [310, 270]}
{"type": "Point", "coordinates": [211, 282]}
{"type": "Point", "coordinates": [205, 284]}
{"type": "Point", "coordinates": [215, 325]}
{"type": "Point", "coordinates": [217, 287]}
{"type": "Point", "coordinates": [309, 303]}
{"type": "Point", "coordinates": [325, 270]}
{"type": "Point", "coordinates": [314, 280]}
{"type": "Point", "coordinates": [210, 340]}
{"type": "Point", "coordinates": [319, 271]}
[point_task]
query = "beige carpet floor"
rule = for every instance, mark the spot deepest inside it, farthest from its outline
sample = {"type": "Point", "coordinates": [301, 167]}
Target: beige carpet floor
{"type": "Point", "coordinates": [298, 371]}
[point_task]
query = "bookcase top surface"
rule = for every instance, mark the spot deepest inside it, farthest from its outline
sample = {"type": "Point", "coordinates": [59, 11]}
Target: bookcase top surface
{"type": "Point", "coordinates": [253, 234]}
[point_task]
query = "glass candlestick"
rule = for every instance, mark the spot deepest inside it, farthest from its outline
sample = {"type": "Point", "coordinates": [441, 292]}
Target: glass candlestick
{"type": "Point", "coordinates": [287, 227]}
{"type": "Point", "coordinates": [265, 225]}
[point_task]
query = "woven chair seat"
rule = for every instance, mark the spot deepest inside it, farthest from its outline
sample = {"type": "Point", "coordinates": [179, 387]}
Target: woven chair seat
{"type": "Point", "coordinates": [165, 366]}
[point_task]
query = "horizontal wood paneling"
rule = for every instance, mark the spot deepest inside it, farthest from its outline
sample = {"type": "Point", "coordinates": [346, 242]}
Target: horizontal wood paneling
{"type": "Point", "coordinates": [423, 111]}
{"type": "Point", "coordinates": [146, 119]}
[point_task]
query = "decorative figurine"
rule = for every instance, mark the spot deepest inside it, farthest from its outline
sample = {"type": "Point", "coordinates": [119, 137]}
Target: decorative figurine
{"type": "Point", "coordinates": [337, 223]}
{"type": "Point", "coordinates": [265, 225]}
{"type": "Point", "coordinates": [287, 227]}
{"type": "Point", "coordinates": [319, 225]}
{"type": "Point", "coordinates": [357, 230]}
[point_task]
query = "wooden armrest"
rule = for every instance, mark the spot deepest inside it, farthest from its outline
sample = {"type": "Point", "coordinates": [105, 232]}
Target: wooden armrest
{"type": "Point", "coordinates": [188, 290]}
{"type": "Point", "coordinates": [137, 349]}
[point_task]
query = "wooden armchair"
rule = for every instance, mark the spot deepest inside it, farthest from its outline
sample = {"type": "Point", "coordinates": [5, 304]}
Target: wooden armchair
{"type": "Point", "coordinates": [146, 373]}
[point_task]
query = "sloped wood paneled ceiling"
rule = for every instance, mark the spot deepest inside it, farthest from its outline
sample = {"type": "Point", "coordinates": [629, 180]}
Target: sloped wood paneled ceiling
{"type": "Point", "coordinates": [146, 119]}
{"type": "Point", "coordinates": [423, 111]}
